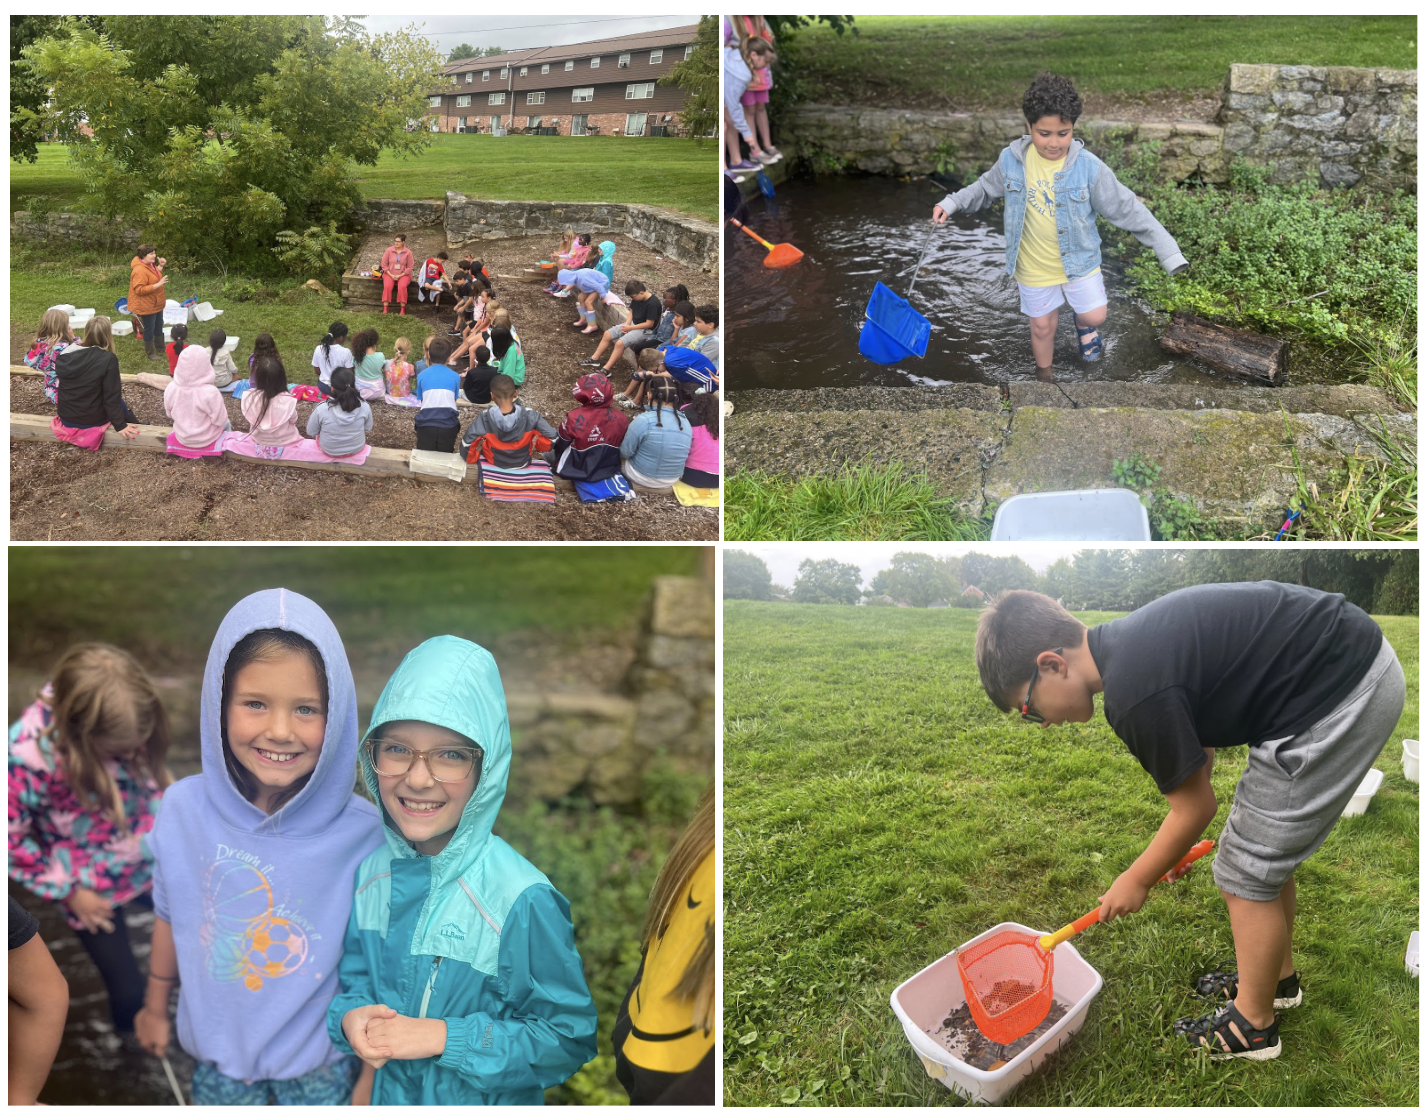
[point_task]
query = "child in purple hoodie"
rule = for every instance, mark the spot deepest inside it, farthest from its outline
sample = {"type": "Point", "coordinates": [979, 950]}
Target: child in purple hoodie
{"type": "Point", "coordinates": [253, 863]}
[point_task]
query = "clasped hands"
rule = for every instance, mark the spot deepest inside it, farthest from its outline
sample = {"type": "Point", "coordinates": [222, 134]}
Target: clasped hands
{"type": "Point", "coordinates": [378, 1034]}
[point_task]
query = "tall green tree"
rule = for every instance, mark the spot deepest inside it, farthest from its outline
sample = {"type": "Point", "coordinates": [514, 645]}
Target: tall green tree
{"type": "Point", "coordinates": [746, 577]}
{"type": "Point", "coordinates": [698, 75]}
{"type": "Point", "coordinates": [464, 50]}
{"type": "Point", "coordinates": [217, 132]}
{"type": "Point", "coordinates": [917, 578]}
{"type": "Point", "coordinates": [996, 573]}
{"type": "Point", "coordinates": [827, 581]}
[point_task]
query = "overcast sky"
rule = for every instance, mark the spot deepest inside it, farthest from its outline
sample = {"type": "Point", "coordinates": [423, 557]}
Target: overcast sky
{"type": "Point", "coordinates": [782, 560]}
{"type": "Point", "coordinates": [508, 28]}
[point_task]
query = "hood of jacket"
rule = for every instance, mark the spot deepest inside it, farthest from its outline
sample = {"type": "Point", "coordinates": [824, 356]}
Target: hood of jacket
{"type": "Point", "coordinates": [607, 249]}
{"type": "Point", "coordinates": [593, 389]}
{"type": "Point", "coordinates": [193, 368]}
{"type": "Point", "coordinates": [453, 683]}
{"type": "Point", "coordinates": [1018, 150]}
{"type": "Point", "coordinates": [504, 424]}
{"type": "Point", "coordinates": [329, 790]}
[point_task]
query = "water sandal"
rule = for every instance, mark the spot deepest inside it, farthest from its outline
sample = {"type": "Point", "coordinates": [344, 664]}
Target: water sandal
{"type": "Point", "coordinates": [1223, 984]}
{"type": "Point", "coordinates": [588, 362]}
{"type": "Point", "coordinates": [1090, 350]}
{"type": "Point", "coordinates": [1228, 1034]}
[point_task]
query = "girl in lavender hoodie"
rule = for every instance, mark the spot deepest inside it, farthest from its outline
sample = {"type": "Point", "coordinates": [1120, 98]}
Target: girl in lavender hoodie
{"type": "Point", "coordinates": [193, 402]}
{"type": "Point", "coordinates": [254, 861]}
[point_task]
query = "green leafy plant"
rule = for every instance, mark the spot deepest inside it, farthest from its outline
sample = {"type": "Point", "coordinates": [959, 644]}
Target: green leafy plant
{"type": "Point", "coordinates": [1172, 519]}
{"type": "Point", "coordinates": [944, 158]}
{"type": "Point", "coordinates": [315, 251]}
{"type": "Point", "coordinates": [1375, 499]}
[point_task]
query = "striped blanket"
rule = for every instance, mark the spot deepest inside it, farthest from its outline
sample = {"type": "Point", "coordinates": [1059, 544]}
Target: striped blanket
{"type": "Point", "coordinates": [529, 484]}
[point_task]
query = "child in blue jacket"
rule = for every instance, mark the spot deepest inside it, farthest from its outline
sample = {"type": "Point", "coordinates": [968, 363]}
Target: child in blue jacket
{"type": "Point", "coordinates": [1055, 189]}
{"type": "Point", "coordinates": [460, 983]}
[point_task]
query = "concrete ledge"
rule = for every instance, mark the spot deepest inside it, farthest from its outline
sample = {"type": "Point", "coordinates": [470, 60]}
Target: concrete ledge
{"type": "Point", "coordinates": [977, 397]}
{"type": "Point", "coordinates": [1327, 399]}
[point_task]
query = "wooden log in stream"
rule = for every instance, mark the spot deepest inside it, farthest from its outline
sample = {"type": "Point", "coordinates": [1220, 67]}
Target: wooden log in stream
{"type": "Point", "coordinates": [1237, 352]}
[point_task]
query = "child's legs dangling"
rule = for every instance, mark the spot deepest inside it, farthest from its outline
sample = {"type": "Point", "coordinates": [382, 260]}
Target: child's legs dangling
{"type": "Point", "coordinates": [731, 139]}
{"type": "Point", "coordinates": [760, 122]}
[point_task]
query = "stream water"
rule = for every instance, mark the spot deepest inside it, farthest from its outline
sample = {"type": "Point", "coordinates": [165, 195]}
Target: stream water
{"type": "Point", "coordinates": [798, 327]}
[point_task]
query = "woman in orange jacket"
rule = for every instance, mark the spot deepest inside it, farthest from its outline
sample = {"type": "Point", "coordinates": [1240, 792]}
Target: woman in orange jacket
{"type": "Point", "coordinates": [147, 298]}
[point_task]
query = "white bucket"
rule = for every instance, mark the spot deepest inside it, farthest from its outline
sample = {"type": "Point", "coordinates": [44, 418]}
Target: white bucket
{"type": "Point", "coordinates": [86, 312]}
{"type": "Point", "coordinates": [203, 311]}
{"type": "Point", "coordinates": [231, 344]}
{"type": "Point", "coordinates": [923, 1001]}
{"type": "Point", "coordinates": [1410, 760]}
{"type": "Point", "coordinates": [218, 313]}
{"type": "Point", "coordinates": [167, 336]}
{"type": "Point", "coordinates": [67, 307]}
{"type": "Point", "coordinates": [77, 323]}
{"type": "Point", "coordinates": [1367, 789]}
{"type": "Point", "coordinates": [1084, 515]}
{"type": "Point", "coordinates": [1410, 959]}
{"type": "Point", "coordinates": [122, 329]}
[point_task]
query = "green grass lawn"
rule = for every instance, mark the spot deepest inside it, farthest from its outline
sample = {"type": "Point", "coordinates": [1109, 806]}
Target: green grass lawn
{"type": "Point", "coordinates": [679, 174]}
{"type": "Point", "coordinates": [988, 61]}
{"type": "Point", "coordinates": [879, 811]}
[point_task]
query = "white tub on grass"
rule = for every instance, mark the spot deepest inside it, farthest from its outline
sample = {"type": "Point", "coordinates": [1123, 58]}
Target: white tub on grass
{"type": "Point", "coordinates": [231, 344]}
{"type": "Point", "coordinates": [921, 1003]}
{"type": "Point", "coordinates": [1367, 789]}
{"type": "Point", "coordinates": [1410, 760]}
{"type": "Point", "coordinates": [1410, 959]}
{"type": "Point", "coordinates": [122, 329]}
{"type": "Point", "coordinates": [1083, 515]}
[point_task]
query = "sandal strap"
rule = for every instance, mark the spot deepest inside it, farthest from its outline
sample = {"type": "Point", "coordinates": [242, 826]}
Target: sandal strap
{"type": "Point", "coordinates": [1231, 1033]}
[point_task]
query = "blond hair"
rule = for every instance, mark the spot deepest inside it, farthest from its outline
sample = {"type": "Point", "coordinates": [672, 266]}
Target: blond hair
{"type": "Point", "coordinates": [101, 691]}
{"type": "Point", "coordinates": [98, 335]}
{"type": "Point", "coordinates": [500, 319]}
{"type": "Point", "coordinates": [696, 845]}
{"type": "Point", "coordinates": [54, 326]}
{"type": "Point", "coordinates": [402, 346]}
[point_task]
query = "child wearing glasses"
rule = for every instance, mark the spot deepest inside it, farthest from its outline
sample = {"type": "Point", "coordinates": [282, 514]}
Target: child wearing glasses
{"type": "Point", "coordinates": [460, 982]}
{"type": "Point", "coordinates": [1303, 677]}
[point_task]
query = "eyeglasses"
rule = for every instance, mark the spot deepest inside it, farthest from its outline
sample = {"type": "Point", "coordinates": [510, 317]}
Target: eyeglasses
{"type": "Point", "coordinates": [447, 765]}
{"type": "Point", "coordinates": [1026, 711]}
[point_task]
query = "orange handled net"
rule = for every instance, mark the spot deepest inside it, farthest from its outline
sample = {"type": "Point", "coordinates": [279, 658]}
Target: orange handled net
{"type": "Point", "coordinates": [1007, 977]}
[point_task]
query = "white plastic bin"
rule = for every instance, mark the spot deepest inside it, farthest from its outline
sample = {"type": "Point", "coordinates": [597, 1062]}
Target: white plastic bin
{"type": "Point", "coordinates": [175, 314]}
{"type": "Point", "coordinates": [1410, 760]}
{"type": "Point", "coordinates": [1367, 789]}
{"type": "Point", "coordinates": [85, 312]}
{"type": "Point", "coordinates": [1086, 515]}
{"type": "Point", "coordinates": [67, 307]}
{"type": "Point", "coordinates": [231, 344]}
{"type": "Point", "coordinates": [203, 311]}
{"type": "Point", "coordinates": [122, 329]}
{"type": "Point", "coordinates": [167, 335]}
{"type": "Point", "coordinates": [923, 1001]}
{"type": "Point", "coordinates": [77, 324]}
{"type": "Point", "coordinates": [1410, 959]}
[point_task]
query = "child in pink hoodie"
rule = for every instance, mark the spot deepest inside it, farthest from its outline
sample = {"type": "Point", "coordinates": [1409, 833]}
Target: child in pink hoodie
{"type": "Point", "coordinates": [193, 402]}
{"type": "Point", "coordinates": [270, 408]}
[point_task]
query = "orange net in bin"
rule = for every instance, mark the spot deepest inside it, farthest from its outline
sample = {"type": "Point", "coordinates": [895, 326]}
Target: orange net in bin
{"type": "Point", "coordinates": [1007, 981]}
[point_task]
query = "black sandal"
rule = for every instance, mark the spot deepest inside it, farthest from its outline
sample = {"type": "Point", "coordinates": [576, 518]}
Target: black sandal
{"type": "Point", "coordinates": [1223, 984]}
{"type": "Point", "coordinates": [1228, 1034]}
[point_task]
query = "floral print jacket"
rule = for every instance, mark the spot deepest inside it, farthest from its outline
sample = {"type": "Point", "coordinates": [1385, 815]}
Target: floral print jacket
{"type": "Point", "coordinates": [57, 842]}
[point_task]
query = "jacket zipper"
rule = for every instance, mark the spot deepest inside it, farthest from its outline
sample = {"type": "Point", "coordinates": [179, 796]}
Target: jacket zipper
{"type": "Point", "coordinates": [430, 984]}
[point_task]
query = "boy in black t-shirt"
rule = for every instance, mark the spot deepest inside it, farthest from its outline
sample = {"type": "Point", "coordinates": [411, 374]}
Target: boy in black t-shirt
{"type": "Point", "coordinates": [1303, 677]}
{"type": "Point", "coordinates": [642, 325]}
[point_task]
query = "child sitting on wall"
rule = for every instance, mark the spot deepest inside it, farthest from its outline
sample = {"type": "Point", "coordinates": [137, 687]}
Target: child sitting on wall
{"type": "Point", "coordinates": [477, 382]}
{"type": "Point", "coordinates": [340, 422]}
{"type": "Point", "coordinates": [587, 446]}
{"type": "Point", "coordinates": [271, 410]}
{"type": "Point", "coordinates": [224, 370]}
{"type": "Point", "coordinates": [53, 338]}
{"type": "Point", "coordinates": [506, 431]}
{"type": "Point", "coordinates": [367, 365]}
{"type": "Point", "coordinates": [193, 401]}
{"type": "Point", "coordinates": [437, 423]}
{"type": "Point", "coordinates": [177, 344]}
{"type": "Point", "coordinates": [401, 376]}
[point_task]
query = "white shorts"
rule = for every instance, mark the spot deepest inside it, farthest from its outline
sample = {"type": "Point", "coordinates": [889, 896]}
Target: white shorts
{"type": "Point", "coordinates": [1084, 295]}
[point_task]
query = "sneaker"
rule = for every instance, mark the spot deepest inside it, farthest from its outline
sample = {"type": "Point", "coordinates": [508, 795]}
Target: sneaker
{"type": "Point", "coordinates": [766, 158]}
{"type": "Point", "coordinates": [622, 399]}
{"type": "Point", "coordinates": [746, 165]}
{"type": "Point", "coordinates": [562, 294]}
{"type": "Point", "coordinates": [1228, 1034]}
{"type": "Point", "coordinates": [775, 152]}
{"type": "Point", "coordinates": [1223, 984]}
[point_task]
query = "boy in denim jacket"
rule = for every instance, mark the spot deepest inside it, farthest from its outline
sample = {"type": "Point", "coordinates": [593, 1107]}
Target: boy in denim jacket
{"type": "Point", "coordinates": [1054, 190]}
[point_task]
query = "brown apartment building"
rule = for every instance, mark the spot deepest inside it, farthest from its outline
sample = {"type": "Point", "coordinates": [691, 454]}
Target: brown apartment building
{"type": "Point", "coordinates": [608, 87]}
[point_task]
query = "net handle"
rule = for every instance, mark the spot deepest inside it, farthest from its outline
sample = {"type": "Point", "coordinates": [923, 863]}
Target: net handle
{"type": "Point", "coordinates": [1048, 942]}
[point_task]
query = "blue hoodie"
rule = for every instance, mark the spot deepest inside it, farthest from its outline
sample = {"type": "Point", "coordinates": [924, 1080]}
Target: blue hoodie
{"type": "Point", "coordinates": [258, 904]}
{"type": "Point", "coordinates": [475, 935]}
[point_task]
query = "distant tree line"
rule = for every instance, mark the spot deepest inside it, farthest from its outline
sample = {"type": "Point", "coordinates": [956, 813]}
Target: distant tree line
{"type": "Point", "coordinates": [1379, 581]}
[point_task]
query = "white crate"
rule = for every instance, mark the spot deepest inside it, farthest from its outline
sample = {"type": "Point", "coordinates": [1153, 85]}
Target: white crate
{"type": "Point", "coordinates": [1084, 515]}
{"type": "Point", "coordinates": [1367, 789]}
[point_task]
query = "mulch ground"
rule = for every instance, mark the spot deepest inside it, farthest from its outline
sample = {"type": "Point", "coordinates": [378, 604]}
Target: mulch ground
{"type": "Point", "coordinates": [60, 492]}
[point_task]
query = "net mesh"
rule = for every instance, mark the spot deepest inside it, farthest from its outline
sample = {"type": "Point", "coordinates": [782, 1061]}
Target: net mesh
{"type": "Point", "coordinates": [1007, 981]}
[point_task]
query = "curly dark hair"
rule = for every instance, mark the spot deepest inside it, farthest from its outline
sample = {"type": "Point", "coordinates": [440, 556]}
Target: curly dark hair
{"type": "Point", "coordinates": [1051, 95]}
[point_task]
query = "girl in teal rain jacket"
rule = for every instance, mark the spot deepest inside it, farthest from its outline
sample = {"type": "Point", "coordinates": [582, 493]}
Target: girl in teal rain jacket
{"type": "Point", "coordinates": [460, 983]}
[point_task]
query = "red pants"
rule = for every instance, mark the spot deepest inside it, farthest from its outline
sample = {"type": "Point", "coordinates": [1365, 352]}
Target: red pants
{"type": "Point", "coordinates": [401, 282]}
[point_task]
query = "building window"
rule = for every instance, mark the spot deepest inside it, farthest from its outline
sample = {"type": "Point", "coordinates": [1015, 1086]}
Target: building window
{"type": "Point", "coordinates": [434, 102]}
{"type": "Point", "coordinates": [463, 101]}
{"type": "Point", "coordinates": [585, 94]}
{"type": "Point", "coordinates": [485, 75]}
{"type": "Point", "coordinates": [570, 65]}
{"type": "Point", "coordinates": [634, 124]}
{"type": "Point", "coordinates": [535, 98]}
{"type": "Point", "coordinates": [470, 76]}
{"type": "Point", "coordinates": [688, 51]}
{"type": "Point", "coordinates": [640, 91]}
{"type": "Point", "coordinates": [496, 99]}
{"type": "Point", "coordinates": [624, 63]}
{"type": "Point", "coordinates": [578, 125]}
{"type": "Point", "coordinates": [532, 121]}
{"type": "Point", "coordinates": [595, 63]}
{"type": "Point", "coordinates": [461, 123]}
{"type": "Point", "coordinates": [525, 70]}
{"type": "Point", "coordinates": [545, 67]}
{"type": "Point", "coordinates": [656, 57]}
{"type": "Point", "coordinates": [505, 71]}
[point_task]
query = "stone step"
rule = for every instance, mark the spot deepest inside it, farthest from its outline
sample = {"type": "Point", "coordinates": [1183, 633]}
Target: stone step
{"type": "Point", "coordinates": [1327, 399]}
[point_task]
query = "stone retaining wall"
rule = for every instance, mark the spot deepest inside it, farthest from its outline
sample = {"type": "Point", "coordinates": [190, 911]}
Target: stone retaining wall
{"type": "Point", "coordinates": [391, 215]}
{"type": "Point", "coordinates": [77, 228]}
{"type": "Point", "coordinates": [1339, 124]}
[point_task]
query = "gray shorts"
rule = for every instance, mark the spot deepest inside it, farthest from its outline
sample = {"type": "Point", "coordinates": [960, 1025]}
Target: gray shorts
{"type": "Point", "coordinates": [1294, 790]}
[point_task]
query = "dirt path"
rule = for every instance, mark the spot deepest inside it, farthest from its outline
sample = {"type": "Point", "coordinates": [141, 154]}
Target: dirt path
{"type": "Point", "coordinates": [60, 492]}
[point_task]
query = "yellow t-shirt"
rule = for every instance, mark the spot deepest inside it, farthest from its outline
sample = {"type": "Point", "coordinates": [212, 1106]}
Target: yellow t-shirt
{"type": "Point", "coordinates": [1038, 256]}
